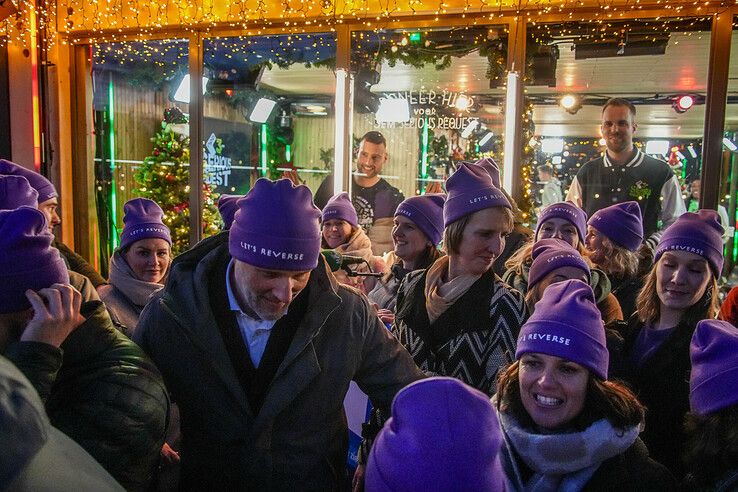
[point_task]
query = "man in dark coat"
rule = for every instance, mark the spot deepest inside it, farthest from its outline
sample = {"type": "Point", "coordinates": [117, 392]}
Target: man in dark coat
{"type": "Point", "coordinates": [98, 387]}
{"type": "Point", "coordinates": [258, 344]}
{"type": "Point", "coordinates": [624, 173]}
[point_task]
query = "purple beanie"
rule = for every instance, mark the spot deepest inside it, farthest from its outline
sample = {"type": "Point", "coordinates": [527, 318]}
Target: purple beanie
{"type": "Point", "coordinates": [713, 382]}
{"type": "Point", "coordinates": [143, 219]}
{"type": "Point", "coordinates": [550, 254]}
{"type": "Point", "coordinates": [567, 324]}
{"type": "Point", "coordinates": [43, 186]}
{"type": "Point", "coordinates": [489, 165]}
{"type": "Point", "coordinates": [567, 211]}
{"type": "Point", "coordinates": [442, 435]}
{"type": "Point", "coordinates": [27, 259]}
{"type": "Point", "coordinates": [699, 233]}
{"type": "Point", "coordinates": [621, 223]}
{"type": "Point", "coordinates": [470, 189]}
{"type": "Point", "coordinates": [15, 191]}
{"type": "Point", "coordinates": [227, 208]}
{"type": "Point", "coordinates": [276, 227]}
{"type": "Point", "coordinates": [426, 212]}
{"type": "Point", "coordinates": [339, 207]}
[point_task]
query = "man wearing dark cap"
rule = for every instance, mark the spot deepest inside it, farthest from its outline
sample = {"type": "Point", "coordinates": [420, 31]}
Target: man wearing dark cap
{"type": "Point", "coordinates": [258, 344]}
{"type": "Point", "coordinates": [98, 387]}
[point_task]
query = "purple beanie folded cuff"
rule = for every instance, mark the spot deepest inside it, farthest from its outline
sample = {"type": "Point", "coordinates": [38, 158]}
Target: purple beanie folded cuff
{"type": "Point", "coordinates": [138, 232]}
{"type": "Point", "coordinates": [13, 286]}
{"type": "Point", "coordinates": [615, 231]}
{"type": "Point", "coordinates": [713, 256]}
{"type": "Point", "coordinates": [555, 338]}
{"type": "Point", "coordinates": [566, 211]}
{"type": "Point", "coordinates": [44, 187]}
{"type": "Point", "coordinates": [274, 253]}
{"type": "Point", "coordinates": [714, 393]}
{"type": "Point", "coordinates": [339, 207]}
{"type": "Point", "coordinates": [461, 205]}
{"type": "Point", "coordinates": [432, 227]}
{"type": "Point", "coordinates": [548, 262]}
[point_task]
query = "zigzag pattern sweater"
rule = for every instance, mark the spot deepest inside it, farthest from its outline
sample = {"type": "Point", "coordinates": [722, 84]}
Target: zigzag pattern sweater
{"type": "Point", "coordinates": [472, 341]}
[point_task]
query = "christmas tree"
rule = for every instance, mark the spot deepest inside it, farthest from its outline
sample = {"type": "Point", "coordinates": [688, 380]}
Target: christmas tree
{"type": "Point", "coordinates": [164, 178]}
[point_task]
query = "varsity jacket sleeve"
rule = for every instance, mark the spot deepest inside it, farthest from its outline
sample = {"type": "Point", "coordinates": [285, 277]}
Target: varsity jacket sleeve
{"type": "Point", "coordinates": [575, 193]}
{"type": "Point", "coordinates": [672, 203]}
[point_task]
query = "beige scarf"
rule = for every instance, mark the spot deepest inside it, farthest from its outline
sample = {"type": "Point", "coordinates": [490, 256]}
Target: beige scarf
{"type": "Point", "coordinates": [439, 294]}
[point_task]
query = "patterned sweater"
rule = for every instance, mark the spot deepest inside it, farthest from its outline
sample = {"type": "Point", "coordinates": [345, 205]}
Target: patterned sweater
{"type": "Point", "coordinates": [472, 341]}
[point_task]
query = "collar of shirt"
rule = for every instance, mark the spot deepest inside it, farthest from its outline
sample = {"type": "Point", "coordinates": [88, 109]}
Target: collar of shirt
{"type": "Point", "coordinates": [634, 161]}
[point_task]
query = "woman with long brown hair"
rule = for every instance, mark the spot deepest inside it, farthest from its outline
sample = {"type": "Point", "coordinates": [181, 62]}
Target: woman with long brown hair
{"type": "Point", "coordinates": [678, 292]}
{"type": "Point", "coordinates": [566, 426]}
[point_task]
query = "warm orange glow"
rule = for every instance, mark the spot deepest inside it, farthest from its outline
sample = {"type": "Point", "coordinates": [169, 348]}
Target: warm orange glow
{"type": "Point", "coordinates": [34, 91]}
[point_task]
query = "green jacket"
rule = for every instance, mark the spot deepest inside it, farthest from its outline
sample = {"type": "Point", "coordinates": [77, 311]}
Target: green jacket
{"type": "Point", "coordinates": [298, 439]}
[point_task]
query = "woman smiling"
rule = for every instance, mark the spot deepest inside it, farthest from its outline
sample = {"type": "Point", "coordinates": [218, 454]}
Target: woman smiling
{"type": "Point", "coordinates": [566, 426]}
{"type": "Point", "coordinates": [679, 291]}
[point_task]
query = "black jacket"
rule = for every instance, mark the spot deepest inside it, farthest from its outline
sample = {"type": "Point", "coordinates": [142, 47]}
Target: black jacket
{"type": "Point", "coordinates": [101, 390]}
{"type": "Point", "coordinates": [626, 291]}
{"type": "Point", "coordinates": [661, 384]}
{"type": "Point", "coordinates": [631, 470]}
{"type": "Point", "coordinates": [472, 340]}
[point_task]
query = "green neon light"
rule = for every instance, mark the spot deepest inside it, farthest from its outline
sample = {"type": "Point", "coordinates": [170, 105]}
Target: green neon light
{"type": "Point", "coordinates": [263, 149]}
{"type": "Point", "coordinates": [414, 37]}
{"type": "Point", "coordinates": [288, 153]}
{"type": "Point", "coordinates": [113, 194]}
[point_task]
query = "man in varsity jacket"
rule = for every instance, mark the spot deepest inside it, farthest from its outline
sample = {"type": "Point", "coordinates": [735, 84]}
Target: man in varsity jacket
{"type": "Point", "coordinates": [624, 173]}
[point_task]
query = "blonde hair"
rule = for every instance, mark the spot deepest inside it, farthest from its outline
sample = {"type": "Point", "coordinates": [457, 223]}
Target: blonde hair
{"type": "Point", "coordinates": [454, 232]}
{"type": "Point", "coordinates": [649, 304]}
{"type": "Point", "coordinates": [618, 261]}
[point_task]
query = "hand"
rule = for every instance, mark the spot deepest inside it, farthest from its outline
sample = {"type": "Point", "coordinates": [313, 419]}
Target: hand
{"type": "Point", "coordinates": [386, 315]}
{"type": "Point", "coordinates": [55, 314]}
{"type": "Point", "coordinates": [358, 483]}
{"type": "Point", "coordinates": [434, 187]}
{"type": "Point", "coordinates": [292, 176]}
{"type": "Point", "coordinates": [169, 455]}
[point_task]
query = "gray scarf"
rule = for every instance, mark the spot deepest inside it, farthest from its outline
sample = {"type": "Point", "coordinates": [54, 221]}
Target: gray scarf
{"type": "Point", "coordinates": [122, 278]}
{"type": "Point", "coordinates": [562, 462]}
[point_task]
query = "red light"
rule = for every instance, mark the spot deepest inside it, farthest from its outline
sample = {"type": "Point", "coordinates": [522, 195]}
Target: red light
{"type": "Point", "coordinates": [229, 92]}
{"type": "Point", "coordinates": [685, 102]}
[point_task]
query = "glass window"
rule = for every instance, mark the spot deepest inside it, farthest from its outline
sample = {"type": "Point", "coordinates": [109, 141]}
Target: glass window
{"type": "Point", "coordinates": [141, 134]}
{"type": "Point", "coordinates": [268, 110]}
{"type": "Point", "coordinates": [660, 66]}
{"type": "Point", "coordinates": [435, 96]}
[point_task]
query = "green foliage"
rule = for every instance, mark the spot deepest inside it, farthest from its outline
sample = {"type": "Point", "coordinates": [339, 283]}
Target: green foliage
{"type": "Point", "coordinates": [164, 178]}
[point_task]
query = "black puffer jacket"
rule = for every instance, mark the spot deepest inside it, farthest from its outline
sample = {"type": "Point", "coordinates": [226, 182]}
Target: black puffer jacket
{"type": "Point", "coordinates": [101, 390]}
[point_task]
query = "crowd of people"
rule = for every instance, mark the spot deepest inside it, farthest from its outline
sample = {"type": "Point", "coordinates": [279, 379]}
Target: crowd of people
{"type": "Point", "coordinates": [595, 362]}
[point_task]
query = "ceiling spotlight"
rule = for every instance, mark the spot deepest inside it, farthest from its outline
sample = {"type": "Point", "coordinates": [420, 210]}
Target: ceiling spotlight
{"type": "Point", "coordinates": [571, 103]}
{"type": "Point", "coordinates": [467, 132]}
{"type": "Point", "coordinates": [682, 103]}
{"type": "Point", "coordinates": [730, 144]}
{"type": "Point", "coordinates": [463, 102]}
{"type": "Point", "coordinates": [692, 152]}
{"type": "Point", "coordinates": [485, 139]}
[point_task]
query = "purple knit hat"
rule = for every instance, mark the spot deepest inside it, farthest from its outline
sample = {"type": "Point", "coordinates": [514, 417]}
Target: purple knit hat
{"type": "Point", "coordinates": [143, 219]}
{"type": "Point", "coordinates": [426, 212]}
{"type": "Point", "coordinates": [227, 207]}
{"type": "Point", "coordinates": [470, 189]}
{"type": "Point", "coordinates": [567, 324]}
{"type": "Point", "coordinates": [489, 165]}
{"type": "Point", "coordinates": [713, 382]}
{"type": "Point", "coordinates": [340, 207]}
{"type": "Point", "coordinates": [550, 254]}
{"type": "Point", "coordinates": [276, 227]}
{"type": "Point", "coordinates": [15, 191]}
{"type": "Point", "coordinates": [621, 223]}
{"type": "Point", "coordinates": [699, 233]}
{"type": "Point", "coordinates": [45, 188]}
{"type": "Point", "coordinates": [567, 211]}
{"type": "Point", "coordinates": [27, 259]}
{"type": "Point", "coordinates": [442, 435]}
